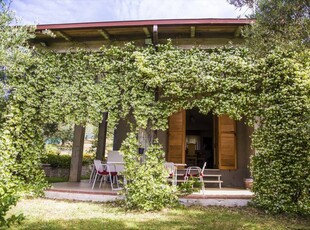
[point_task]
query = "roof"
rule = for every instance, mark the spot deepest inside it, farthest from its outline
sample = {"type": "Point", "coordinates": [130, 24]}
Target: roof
{"type": "Point", "coordinates": [143, 31]}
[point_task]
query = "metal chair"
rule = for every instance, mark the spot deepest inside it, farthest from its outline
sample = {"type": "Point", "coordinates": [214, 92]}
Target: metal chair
{"type": "Point", "coordinates": [213, 175]}
{"type": "Point", "coordinates": [171, 169]}
{"type": "Point", "coordinates": [105, 171]}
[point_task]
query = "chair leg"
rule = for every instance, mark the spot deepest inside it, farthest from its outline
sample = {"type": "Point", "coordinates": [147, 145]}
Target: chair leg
{"type": "Point", "coordinates": [94, 181]}
{"type": "Point", "coordinates": [101, 181]}
{"type": "Point", "coordinates": [116, 179]}
{"type": "Point", "coordinates": [203, 185]}
{"type": "Point", "coordinates": [111, 181]}
{"type": "Point", "coordinates": [175, 176]}
{"type": "Point", "coordinates": [220, 184]}
{"type": "Point", "coordinates": [173, 180]}
{"type": "Point", "coordinates": [92, 174]}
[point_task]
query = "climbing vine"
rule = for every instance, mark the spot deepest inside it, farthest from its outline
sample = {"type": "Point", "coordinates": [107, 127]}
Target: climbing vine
{"type": "Point", "coordinates": [282, 142]}
{"type": "Point", "coordinates": [145, 86]}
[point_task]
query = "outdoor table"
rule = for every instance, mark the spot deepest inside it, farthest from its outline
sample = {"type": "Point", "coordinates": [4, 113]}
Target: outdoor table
{"type": "Point", "coordinates": [119, 163]}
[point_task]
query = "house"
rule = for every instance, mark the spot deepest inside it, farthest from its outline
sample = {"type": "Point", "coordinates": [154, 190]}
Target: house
{"type": "Point", "coordinates": [192, 138]}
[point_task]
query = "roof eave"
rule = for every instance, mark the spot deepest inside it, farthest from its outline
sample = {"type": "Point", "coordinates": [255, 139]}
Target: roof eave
{"type": "Point", "coordinates": [208, 21]}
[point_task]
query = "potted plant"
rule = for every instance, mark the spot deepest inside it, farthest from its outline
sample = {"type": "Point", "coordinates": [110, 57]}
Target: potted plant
{"type": "Point", "coordinates": [248, 183]}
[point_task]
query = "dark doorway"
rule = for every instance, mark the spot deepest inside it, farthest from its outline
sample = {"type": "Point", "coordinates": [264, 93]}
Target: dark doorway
{"type": "Point", "coordinates": [199, 139]}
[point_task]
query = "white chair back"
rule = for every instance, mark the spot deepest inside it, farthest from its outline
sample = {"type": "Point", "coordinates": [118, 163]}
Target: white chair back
{"type": "Point", "coordinates": [116, 156]}
{"type": "Point", "coordinates": [99, 167]}
{"type": "Point", "coordinates": [169, 166]}
{"type": "Point", "coordinates": [204, 167]}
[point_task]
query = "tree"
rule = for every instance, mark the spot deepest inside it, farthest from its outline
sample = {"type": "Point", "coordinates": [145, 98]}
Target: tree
{"type": "Point", "coordinates": [19, 146]}
{"type": "Point", "coordinates": [278, 23]}
{"type": "Point", "coordinates": [279, 39]}
{"type": "Point", "coordinates": [61, 132]}
{"type": "Point", "coordinates": [241, 3]}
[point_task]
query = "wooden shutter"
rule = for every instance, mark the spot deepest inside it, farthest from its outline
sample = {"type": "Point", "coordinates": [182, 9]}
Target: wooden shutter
{"type": "Point", "coordinates": [227, 143]}
{"type": "Point", "coordinates": [176, 137]}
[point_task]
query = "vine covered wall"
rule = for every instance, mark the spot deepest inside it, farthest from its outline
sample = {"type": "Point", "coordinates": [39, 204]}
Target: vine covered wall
{"type": "Point", "coordinates": [79, 86]}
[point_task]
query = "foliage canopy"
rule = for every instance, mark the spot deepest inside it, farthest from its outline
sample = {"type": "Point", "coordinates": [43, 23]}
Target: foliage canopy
{"type": "Point", "coordinates": [40, 88]}
{"type": "Point", "coordinates": [278, 23]}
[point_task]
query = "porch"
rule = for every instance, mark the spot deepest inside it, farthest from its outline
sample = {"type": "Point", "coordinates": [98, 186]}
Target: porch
{"type": "Point", "coordinates": [82, 191]}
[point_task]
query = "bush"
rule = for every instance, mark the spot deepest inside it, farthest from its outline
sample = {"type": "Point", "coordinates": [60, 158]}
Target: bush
{"type": "Point", "coordinates": [88, 159]}
{"type": "Point", "coordinates": [190, 186]}
{"type": "Point", "coordinates": [51, 149]}
{"type": "Point", "coordinates": [147, 188]}
{"type": "Point", "coordinates": [57, 160]}
{"type": "Point", "coordinates": [280, 167]}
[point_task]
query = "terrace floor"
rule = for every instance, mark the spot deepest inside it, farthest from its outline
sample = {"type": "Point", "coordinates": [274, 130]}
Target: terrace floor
{"type": "Point", "coordinates": [83, 191]}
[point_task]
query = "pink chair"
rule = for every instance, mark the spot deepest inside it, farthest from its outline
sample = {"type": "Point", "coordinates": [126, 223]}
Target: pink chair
{"type": "Point", "coordinates": [105, 171]}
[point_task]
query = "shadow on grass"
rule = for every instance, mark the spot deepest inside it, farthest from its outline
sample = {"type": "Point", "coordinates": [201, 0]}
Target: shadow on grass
{"type": "Point", "coordinates": [54, 214]}
{"type": "Point", "coordinates": [124, 224]}
{"type": "Point", "coordinates": [181, 218]}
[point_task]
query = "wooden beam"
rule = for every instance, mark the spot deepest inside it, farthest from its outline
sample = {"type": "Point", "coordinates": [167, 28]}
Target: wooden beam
{"type": "Point", "coordinates": [104, 34]}
{"type": "Point", "coordinates": [193, 31]}
{"type": "Point", "coordinates": [64, 35]}
{"type": "Point", "coordinates": [184, 43]}
{"type": "Point", "coordinates": [155, 35]}
{"type": "Point", "coordinates": [238, 31]}
{"type": "Point", "coordinates": [147, 32]}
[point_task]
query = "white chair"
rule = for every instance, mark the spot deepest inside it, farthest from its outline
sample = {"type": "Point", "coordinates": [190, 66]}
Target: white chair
{"type": "Point", "coordinates": [171, 169]}
{"type": "Point", "coordinates": [104, 171]}
{"type": "Point", "coordinates": [193, 171]}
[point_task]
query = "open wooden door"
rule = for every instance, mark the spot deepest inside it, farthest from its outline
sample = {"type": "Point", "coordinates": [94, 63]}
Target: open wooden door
{"type": "Point", "coordinates": [176, 137]}
{"type": "Point", "coordinates": [227, 143]}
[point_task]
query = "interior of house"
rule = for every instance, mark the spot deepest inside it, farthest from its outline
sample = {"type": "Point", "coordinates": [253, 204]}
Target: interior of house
{"type": "Point", "coordinates": [200, 141]}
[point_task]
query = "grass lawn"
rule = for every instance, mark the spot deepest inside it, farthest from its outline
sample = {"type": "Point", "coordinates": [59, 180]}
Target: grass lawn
{"type": "Point", "coordinates": [53, 214]}
{"type": "Point", "coordinates": [51, 180]}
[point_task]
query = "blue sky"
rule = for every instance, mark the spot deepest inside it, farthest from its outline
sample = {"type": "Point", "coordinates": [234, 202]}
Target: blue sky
{"type": "Point", "coordinates": [69, 11]}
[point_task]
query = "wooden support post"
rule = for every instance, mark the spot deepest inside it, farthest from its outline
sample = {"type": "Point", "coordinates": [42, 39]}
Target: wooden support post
{"type": "Point", "coordinates": [77, 153]}
{"type": "Point", "coordinates": [102, 136]}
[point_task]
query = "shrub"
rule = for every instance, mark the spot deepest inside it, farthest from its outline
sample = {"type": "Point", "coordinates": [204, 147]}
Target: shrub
{"type": "Point", "coordinates": [147, 188]}
{"type": "Point", "coordinates": [280, 167]}
{"type": "Point", "coordinates": [51, 149]}
{"type": "Point", "coordinates": [190, 186]}
{"type": "Point", "coordinates": [88, 159]}
{"type": "Point", "coordinates": [57, 160]}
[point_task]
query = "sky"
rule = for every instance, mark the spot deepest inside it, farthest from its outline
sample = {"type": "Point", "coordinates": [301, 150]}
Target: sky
{"type": "Point", "coordinates": [71, 11]}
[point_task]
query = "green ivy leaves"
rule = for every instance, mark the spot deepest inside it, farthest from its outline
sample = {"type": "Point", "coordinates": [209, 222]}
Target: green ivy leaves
{"type": "Point", "coordinates": [145, 87]}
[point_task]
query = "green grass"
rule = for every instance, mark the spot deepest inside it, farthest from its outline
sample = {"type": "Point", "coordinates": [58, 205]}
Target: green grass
{"type": "Point", "coordinates": [53, 214]}
{"type": "Point", "coordinates": [56, 179]}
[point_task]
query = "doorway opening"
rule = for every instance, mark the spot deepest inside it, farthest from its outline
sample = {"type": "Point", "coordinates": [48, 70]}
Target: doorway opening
{"type": "Point", "coordinates": [200, 139]}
